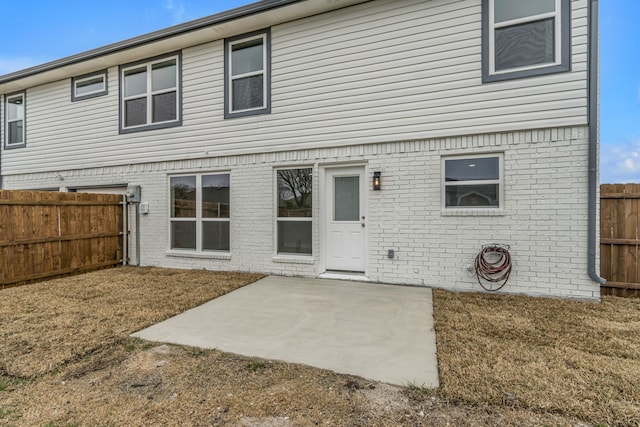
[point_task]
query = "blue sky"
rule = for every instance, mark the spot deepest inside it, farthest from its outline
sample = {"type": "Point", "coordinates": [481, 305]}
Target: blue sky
{"type": "Point", "coordinates": [619, 91]}
{"type": "Point", "coordinates": [52, 32]}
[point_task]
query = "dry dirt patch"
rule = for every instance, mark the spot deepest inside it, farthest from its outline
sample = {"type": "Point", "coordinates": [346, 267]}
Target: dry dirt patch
{"type": "Point", "coordinates": [66, 360]}
{"type": "Point", "coordinates": [571, 358]}
{"type": "Point", "coordinates": [48, 324]}
{"type": "Point", "coordinates": [154, 384]}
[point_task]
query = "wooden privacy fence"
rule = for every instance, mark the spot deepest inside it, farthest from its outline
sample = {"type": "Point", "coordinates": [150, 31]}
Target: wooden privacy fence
{"type": "Point", "coordinates": [46, 234]}
{"type": "Point", "coordinates": [620, 239]}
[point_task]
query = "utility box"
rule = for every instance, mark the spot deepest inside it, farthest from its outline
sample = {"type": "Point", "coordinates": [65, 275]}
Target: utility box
{"type": "Point", "coordinates": [133, 193]}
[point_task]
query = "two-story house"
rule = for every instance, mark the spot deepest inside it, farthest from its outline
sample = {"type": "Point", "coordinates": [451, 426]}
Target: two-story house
{"type": "Point", "coordinates": [382, 140]}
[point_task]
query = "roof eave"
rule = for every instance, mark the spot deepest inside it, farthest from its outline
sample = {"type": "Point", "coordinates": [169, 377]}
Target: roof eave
{"type": "Point", "coordinates": [219, 18]}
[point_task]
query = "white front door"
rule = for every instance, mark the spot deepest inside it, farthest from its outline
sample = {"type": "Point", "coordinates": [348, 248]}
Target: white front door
{"type": "Point", "coordinates": [344, 234]}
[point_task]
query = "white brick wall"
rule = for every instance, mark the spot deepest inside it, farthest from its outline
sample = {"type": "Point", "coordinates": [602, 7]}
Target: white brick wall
{"type": "Point", "coordinates": [544, 219]}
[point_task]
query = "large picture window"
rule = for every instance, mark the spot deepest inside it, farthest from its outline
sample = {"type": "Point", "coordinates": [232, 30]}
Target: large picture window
{"type": "Point", "coordinates": [15, 120]}
{"type": "Point", "coordinates": [247, 74]}
{"type": "Point", "coordinates": [150, 94]}
{"type": "Point", "coordinates": [472, 182]}
{"type": "Point", "coordinates": [295, 206]}
{"type": "Point", "coordinates": [524, 38]}
{"type": "Point", "coordinates": [200, 215]}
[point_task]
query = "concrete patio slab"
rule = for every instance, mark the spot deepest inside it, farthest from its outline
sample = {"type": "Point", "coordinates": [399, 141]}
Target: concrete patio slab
{"type": "Point", "coordinates": [380, 332]}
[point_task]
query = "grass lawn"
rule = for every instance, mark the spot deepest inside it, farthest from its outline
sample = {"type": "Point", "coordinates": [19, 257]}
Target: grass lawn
{"type": "Point", "coordinates": [66, 359]}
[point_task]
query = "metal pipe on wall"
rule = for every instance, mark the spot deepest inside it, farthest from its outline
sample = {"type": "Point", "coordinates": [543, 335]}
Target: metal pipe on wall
{"type": "Point", "coordinates": [594, 105]}
{"type": "Point", "coordinates": [125, 231]}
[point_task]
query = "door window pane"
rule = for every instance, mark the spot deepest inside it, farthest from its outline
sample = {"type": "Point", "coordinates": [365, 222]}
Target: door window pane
{"type": "Point", "coordinates": [183, 234]}
{"type": "Point", "coordinates": [247, 57]}
{"type": "Point", "coordinates": [183, 197]}
{"type": "Point", "coordinates": [294, 237]}
{"type": "Point", "coordinates": [525, 44]}
{"type": "Point", "coordinates": [215, 235]}
{"type": "Point", "coordinates": [472, 169]}
{"type": "Point", "coordinates": [506, 10]}
{"type": "Point", "coordinates": [215, 196]}
{"type": "Point", "coordinates": [346, 205]}
{"type": "Point", "coordinates": [163, 75]}
{"type": "Point", "coordinates": [135, 82]}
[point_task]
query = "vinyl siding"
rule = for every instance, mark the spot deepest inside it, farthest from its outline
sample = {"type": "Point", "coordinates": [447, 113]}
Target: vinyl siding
{"type": "Point", "coordinates": [382, 71]}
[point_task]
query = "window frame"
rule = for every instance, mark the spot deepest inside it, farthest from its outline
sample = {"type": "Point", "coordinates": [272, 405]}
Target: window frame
{"type": "Point", "coordinates": [85, 77]}
{"type": "Point", "coordinates": [198, 219]}
{"type": "Point", "coordinates": [278, 218]}
{"type": "Point", "coordinates": [265, 35]}
{"type": "Point", "coordinates": [148, 64]}
{"type": "Point", "coordinates": [562, 43]}
{"type": "Point", "coordinates": [7, 144]}
{"type": "Point", "coordinates": [499, 181]}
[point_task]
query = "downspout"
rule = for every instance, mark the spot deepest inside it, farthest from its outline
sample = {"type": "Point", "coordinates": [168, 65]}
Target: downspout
{"type": "Point", "coordinates": [125, 230]}
{"type": "Point", "coordinates": [594, 104]}
{"type": "Point", "coordinates": [1, 148]}
{"type": "Point", "coordinates": [137, 204]}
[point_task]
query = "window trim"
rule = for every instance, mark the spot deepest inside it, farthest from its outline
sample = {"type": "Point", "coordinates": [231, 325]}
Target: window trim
{"type": "Point", "coordinates": [278, 218]}
{"type": "Point", "coordinates": [148, 62]}
{"type": "Point", "coordinates": [562, 61]}
{"type": "Point", "coordinates": [7, 145]}
{"type": "Point", "coordinates": [499, 181]}
{"type": "Point", "coordinates": [265, 34]}
{"type": "Point", "coordinates": [199, 219]}
{"type": "Point", "coordinates": [79, 79]}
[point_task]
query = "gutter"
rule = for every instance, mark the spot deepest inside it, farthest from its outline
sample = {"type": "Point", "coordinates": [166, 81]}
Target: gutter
{"type": "Point", "coordinates": [594, 103]}
{"type": "Point", "coordinates": [187, 27]}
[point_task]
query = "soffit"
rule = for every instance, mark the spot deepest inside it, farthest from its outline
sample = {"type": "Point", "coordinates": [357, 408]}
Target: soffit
{"type": "Point", "coordinates": [226, 24]}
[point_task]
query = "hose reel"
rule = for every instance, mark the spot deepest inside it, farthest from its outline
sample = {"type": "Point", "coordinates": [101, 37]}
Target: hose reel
{"type": "Point", "coordinates": [493, 266]}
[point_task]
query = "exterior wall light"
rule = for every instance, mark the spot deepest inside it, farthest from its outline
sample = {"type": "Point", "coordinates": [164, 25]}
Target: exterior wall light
{"type": "Point", "coordinates": [376, 180]}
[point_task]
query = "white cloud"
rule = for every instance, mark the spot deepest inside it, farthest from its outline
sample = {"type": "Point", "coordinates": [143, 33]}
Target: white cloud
{"type": "Point", "coordinates": [9, 65]}
{"type": "Point", "coordinates": [620, 162]}
{"type": "Point", "coordinates": [178, 10]}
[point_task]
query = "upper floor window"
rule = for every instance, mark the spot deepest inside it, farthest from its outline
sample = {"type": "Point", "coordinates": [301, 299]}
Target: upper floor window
{"type": "Point", "coordinates": [89, 86]}
{"type": "Point", "coordinates": [15, 123]}
{"type": "Point", "coordinates": [150, 94]}
{"type": "Point", "coordinates": [247, 74]}
{"type": "Point", "coordinates": [523, 38]}
{"type": "Point", "coordinates": [472, 181]}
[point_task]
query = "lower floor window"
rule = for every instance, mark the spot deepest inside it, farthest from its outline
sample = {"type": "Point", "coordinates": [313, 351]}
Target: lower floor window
{"type": "Point", "coordinates": [472, 181]}
{"type": "Point", "coordinates": [200, 212]}
{"type": "Point", "coordinates": [295, 206]}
